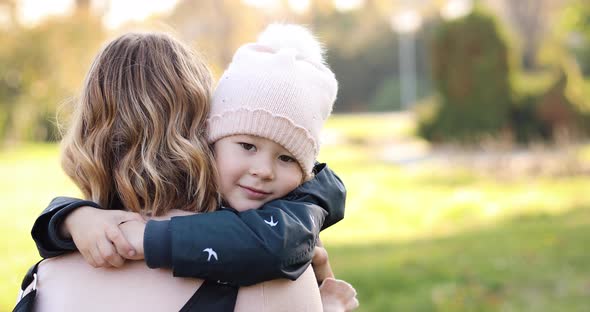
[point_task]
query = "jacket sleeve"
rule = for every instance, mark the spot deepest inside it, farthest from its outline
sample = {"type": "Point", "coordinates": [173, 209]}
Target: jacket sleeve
{"type": "Point", "coordinates": [245, 248]}
{"type": "Point", "coordinates": [45, 231]}
{"type": "Point", "coordinates": [325, 190]}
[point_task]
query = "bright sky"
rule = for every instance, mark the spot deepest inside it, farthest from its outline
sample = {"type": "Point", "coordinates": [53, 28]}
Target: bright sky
{"type": "Point", "coordinates": [346, 5]}
{"type": "Point", "coordinates": [302, 5]}
{"type": "Point", "coordinates": [32, 12]}
{"type": "Point", "coordinates": [456, 8]}
{"type": "Point", "coordinates": [119, 12]}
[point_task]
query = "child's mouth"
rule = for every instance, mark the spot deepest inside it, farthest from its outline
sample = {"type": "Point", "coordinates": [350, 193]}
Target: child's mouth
{"type": "Point", "coordinates": [253, 193]}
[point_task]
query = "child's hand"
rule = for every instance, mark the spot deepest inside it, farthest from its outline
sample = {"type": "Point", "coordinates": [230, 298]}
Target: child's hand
{"type": "Point", "coordinates": [321, 265]}
{"type": "Point", "coordinates": [338, 296]}
{"type": "Point", "coordinates": [96, 233]}
{"type": "Point", "coordinates": [133, 231]}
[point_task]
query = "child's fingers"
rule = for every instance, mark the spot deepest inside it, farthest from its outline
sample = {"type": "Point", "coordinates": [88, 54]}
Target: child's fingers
{"type": "Point", "coordinates": [347, 288]}
{"type": "Point", "coordinates": [338, 296]}
{"type": "Point", "coordinates": [88, 257]}
{"type": "Point", "coordinates": [123, 247]}
{"type": "Point", "coordinates": [352, 304]}
{"type": "Point", "coordinates": [343, 291]}
{"type": "Point", "coordinates": [97, 257]}
{"type": "Point", "coordinates": [126, 216]}
{"type": "Point", "coordinates": [109, 254]}
{"type": "Point", "coordinates": [329, 284]}
{"type": "Point", "coordinates": [349, 295]}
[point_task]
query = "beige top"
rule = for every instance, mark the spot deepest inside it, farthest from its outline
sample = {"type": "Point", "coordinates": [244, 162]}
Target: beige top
{"type": "Point", "coordinates": [68, 283]}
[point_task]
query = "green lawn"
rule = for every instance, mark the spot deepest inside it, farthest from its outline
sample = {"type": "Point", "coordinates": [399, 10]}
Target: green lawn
{"type": "Point", "coordinates": [414, 239]}
{"type": "Point", "coordinates": [532, 263]}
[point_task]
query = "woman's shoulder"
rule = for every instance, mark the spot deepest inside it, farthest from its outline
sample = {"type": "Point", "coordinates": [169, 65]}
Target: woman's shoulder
{"type": "Point", "coordinates": [68, 283]}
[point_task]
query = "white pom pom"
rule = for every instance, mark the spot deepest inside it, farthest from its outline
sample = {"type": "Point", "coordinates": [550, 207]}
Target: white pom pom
{"type": "Point", "coordinates": [299, 38]}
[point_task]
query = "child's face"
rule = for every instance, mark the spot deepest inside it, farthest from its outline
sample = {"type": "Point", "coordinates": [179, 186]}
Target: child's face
{"type": "Point", "coordinates": [254, 170]}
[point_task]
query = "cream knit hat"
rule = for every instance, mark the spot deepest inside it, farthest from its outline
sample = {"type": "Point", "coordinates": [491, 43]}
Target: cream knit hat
{"type": "Point", "coordinates": [278, 88]}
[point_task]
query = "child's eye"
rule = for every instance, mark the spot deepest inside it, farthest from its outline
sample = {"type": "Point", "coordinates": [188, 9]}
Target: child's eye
{"type": "Point", "coordinates": [286, 158]}
{"type": "Point", "coordinates": [248, 146]}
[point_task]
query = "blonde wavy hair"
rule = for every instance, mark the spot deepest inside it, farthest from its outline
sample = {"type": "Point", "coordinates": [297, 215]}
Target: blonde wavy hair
{"type": "Point", "coordinates": [137, 138]}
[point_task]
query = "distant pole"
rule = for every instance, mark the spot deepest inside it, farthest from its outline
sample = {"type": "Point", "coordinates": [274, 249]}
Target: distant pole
{"type": "Point", "coordinates": [407, 66]}
{"type": "Point", "coordinates": [406, 23]}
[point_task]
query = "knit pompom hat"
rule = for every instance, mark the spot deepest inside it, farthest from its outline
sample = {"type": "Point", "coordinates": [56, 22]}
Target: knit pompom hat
{"type": "Point", "coordinates": [278, 88]}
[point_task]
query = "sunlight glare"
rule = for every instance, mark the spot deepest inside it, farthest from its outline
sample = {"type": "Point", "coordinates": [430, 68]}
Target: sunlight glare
{"type": "Point", "coordinates": [135, 10]}
{"type": "Point", "coordinates": [406, 21]}
{"type": "Point", "coordinates": [348, 5]}
{"type": "Point", "coordinates": [31, 12]}
{"type": "Point", "coordinates": [263, 4]}
{"type": "Point", "coordinates": [299, 6]}
{"type": "Point", "coordinates": [454, 9]}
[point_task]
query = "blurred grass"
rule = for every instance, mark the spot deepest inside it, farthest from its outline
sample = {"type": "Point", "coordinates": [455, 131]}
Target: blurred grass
{"type": "Point", "coordinates": [360, 128]}
{"type": "Point", "coordinates": [30, 177]}
{"type": "Point", "coordinates": [414, 239]}
{"type": "Point", "coordinates": [530, 263]}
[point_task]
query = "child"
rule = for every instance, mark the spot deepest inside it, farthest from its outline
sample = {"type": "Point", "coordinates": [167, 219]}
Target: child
{"type": "Point", "coordinates": [266, 116]}
{"type": "Point", "coordinates": [278, 239]}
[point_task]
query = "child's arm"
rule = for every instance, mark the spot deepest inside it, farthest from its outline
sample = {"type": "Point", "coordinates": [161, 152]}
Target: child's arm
{"type": "Point", "coordinates": [275, 241]}
{"type": "Point", "coordinates": [98, 236]}
{"type": "Point", "coordinates": [320, 263]}
{"type": "Point", "coordinates": [250, 246]}
{"type": "Point", "coordinates": [99, 226]}
{"type": "Point", "coordinates": [46, 230]}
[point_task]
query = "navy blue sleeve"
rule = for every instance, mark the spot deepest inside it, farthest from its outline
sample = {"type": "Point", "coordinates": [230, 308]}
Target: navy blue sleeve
{"type": "Point", "coordinates": [45, 231]}
{"type": "Point", "coordinates": [245, 248]}
{"type": "Point", "coordinates": [325, 190]}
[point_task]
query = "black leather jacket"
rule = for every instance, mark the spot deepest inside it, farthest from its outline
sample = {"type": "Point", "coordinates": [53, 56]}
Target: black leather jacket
{"type": "Point", "coordinates": [241, 248]}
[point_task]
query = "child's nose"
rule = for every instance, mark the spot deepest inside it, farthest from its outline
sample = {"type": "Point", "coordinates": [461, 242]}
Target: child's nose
{"type": "Point", "coordinates": [263, 170]}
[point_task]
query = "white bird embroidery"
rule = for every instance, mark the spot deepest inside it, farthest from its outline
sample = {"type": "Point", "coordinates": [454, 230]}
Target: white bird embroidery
{"type": "Point", "coordinates": [271, 222]}
{"type": "Point", "coordinates": [211, 252]}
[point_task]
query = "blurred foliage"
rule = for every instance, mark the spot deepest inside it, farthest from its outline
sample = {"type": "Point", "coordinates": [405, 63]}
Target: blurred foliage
{"type": "Point", "coordinates": [471, 71]}
{"type": "Point", "coordinates": [40, 69]}
{"type": "Point", "coordinates": [576, 90]}
{"type": "Point", "coordinates": [530, 21]}
{"type": "Point", "coordinates": [576, 20]}
{"type": "Point", "coordinates": [360, 59]}
{"type": "Point", "coordinates": [529, 89]}
{"type": "Point", "coordinates": [484, 86]}
{"type": "Point", "coordinates": [482, 93]}
{"type": "Point", "coordinates": [216, 28]}
{"type": "Point", "coordinates": [387, 95]}
{"type": "Point", "coordinates": [551, 104]}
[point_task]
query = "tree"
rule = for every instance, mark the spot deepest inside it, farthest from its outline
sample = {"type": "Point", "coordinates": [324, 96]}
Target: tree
{"type": "Point", "coordinates": [472, 76]}
{"type": "Point", "coordinates": [40, 68]}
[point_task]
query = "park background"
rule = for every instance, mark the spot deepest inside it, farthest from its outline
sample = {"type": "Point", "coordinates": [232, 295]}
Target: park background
{"type": "Point", "coordinates": [461, 132]}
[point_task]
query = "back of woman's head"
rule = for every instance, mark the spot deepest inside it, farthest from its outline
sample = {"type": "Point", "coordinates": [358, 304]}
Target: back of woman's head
{"type": "Point", "coordinates": [137, 138]}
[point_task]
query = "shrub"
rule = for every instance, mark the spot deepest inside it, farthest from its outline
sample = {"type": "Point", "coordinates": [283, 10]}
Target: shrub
{"type": "Point", "coordinates": [471, 74]}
